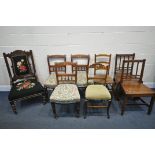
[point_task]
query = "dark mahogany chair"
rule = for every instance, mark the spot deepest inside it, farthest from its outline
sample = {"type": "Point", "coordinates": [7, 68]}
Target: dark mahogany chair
{"type": "Point", "coordinates": [23, 79]}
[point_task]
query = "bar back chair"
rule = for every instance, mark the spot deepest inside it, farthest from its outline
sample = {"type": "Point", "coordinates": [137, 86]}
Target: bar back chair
{"type": "Point", "coordinates": [132, 85]}
{"type": "Point", "coordinates": [97, 92]}
{"type": "Point", "coordinates": [82, 61]}
{"type": "Point", "coordinates": [67, 91]}
{"type": "Point", "coordinates": [118, 64]}
{"type": "Point", "coordinates": [51, 81]}
{"type": "Point", "coordinates": [23, 79]}
{"type": "Point", "coordinates": [104, 59]}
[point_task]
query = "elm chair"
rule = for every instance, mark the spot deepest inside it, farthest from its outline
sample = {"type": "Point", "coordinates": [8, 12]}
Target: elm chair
{"type": "Point", "coordinates": [51, 81]}
{"type": "Point", "coordinates": [97, 92]}
{"type": "Point", "coordinates": [82, 68]}
{"type": "Point", "coordinates": [118, 71]}
{"type": "Point", "coordinates": [132, 85]}
{"type": "Point", "coordinates": [118, 65]}
{"type": "Point", "coordinates": [66, 92]}
{"type": "Point", "coordinates": [23, 79]}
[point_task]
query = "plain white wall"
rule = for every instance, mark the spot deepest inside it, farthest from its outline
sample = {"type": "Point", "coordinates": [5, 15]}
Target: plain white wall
{"type": "Point", "coordinates": [70, 40]}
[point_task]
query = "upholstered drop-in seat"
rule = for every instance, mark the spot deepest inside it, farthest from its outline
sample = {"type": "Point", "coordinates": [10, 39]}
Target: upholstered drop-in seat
{"type": "Point", "coordinates": [51, 82]}
{"type": "Point", "coordinates": [65, 93]}
{"type": "Point", "coordinates": [81, 78]}
{"type": "Point", "coordinates": [97, 92]}
{"type": "Point", "coordinates": [25, 88]}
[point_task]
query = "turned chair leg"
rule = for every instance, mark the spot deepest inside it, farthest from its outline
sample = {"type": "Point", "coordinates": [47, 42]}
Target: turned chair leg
{"type": "Point", "coordinates": [13, 105]}
{"type": "Point", "coordinates": [54, 109]}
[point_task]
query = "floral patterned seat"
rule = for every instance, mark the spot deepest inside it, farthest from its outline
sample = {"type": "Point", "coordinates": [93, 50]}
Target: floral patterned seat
{"type": "Point", "coordinates": [65, 93]}
{"type": "Point", "coordinates": [81, 78]}
{"type": "Point", "coordinates": [51, 82]}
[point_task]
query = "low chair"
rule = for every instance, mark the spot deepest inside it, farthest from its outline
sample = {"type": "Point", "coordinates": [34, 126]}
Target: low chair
{"type": "Point", "coordinates": [97, 92]}
{"type": "Point", "coordinates": [66, 92]}
{"type": "Point", "coordinates": [132, 84]}
{"type": "Point", "coordinates": [51, 81]}
{"type": "Point", "coordinates": [82, 68]}
{"type": "Point", "coordinates": [23, 79]}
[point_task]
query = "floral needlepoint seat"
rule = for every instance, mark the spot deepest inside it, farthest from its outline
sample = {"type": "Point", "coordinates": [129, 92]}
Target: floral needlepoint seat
{"type": "Point", "coordinates": [65, 93]}
{"type": "Point", "coordinates": [25, 88]}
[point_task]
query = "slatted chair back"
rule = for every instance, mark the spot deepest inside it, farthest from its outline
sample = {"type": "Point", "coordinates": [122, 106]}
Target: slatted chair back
{"type": "Point", "coordinates": [67, 77]}
{"type": "Point", "coordinates": [82, 61]}
{"type": "Point", "coordinates": [104, 59]}
{"type": "Point", "coordinates": [52, 59]}
{"type": "Point", "coordinates": [132, 70]}
{"type": "Point", "coordinates": [20, 65]}
{"type": "Point", "coordinates": [101, 78]}
{"type": "Point", "coordinates": [119, 61]}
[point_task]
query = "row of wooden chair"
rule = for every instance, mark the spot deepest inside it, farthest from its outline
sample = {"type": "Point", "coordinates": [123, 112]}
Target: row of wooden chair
{"type": "Point", "coordinates": [127, 80]}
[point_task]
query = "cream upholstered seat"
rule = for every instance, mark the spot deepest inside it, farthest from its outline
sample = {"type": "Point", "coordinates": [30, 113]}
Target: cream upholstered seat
{"type": "Point", "coordinates": [65, 93]}
{"type": "Point", "coordinates": [51, 81]}
{"type": "Point", "coordinates": [97, 92]}
{"type": "Point", "coordinates": [81, 78]}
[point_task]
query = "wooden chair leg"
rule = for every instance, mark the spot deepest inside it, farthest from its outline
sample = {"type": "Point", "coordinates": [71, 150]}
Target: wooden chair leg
{"type": "Point", "coordinates": [85, 109]}
{"type": "Point", "coordinates": [77, 105]}
{"type": "Point", "coordinates": [54, 109]}
{"type": "Point", "coordinates": [151, 105]}
{"type": "Point", "coordinates": [123, 105]}
{"type": "Point", "coordinates": [13, 105]}
{"type": "Point", "coordinates": [109, 103]}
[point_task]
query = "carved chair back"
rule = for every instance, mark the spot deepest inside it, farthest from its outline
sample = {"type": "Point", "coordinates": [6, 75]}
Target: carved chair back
{"type": "Point", "coordinates": [101, 78]}
{"type": "Point", "coordinates": [20, 65]}
{"type": "Point", "coordinates": [69, 76]}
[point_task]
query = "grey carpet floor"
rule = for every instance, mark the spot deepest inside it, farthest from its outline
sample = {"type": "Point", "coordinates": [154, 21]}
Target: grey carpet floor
{"type": "Point", "coordinates": [32, 114]}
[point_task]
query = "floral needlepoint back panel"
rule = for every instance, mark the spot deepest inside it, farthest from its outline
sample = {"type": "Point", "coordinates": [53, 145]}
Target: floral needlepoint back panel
{"type": "Point", "coordinates": [21, 65]}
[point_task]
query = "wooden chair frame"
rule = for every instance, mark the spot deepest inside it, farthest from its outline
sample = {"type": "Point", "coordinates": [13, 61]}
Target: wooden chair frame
{"type": "Point", "coordinates": [52, 67]}
{"type": "Point", "coordinates": [13, 77]}
{"type": "Point", "coordinates": [97, 80]}
{"type": "Point", "coordinates": [132, 84]}
{"type": "Point", "coordinates": [66, 77]}
{"type": "Point", "coordinates": [119, 61]}
{"type": "Point", "coordinates": [108, 56]}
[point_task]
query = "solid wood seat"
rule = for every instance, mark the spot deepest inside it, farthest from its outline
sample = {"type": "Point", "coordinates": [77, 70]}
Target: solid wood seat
{"type": "Point", "coordinates": [135, 89]}
{"type": "Point", "coordinates": [132, 85]}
